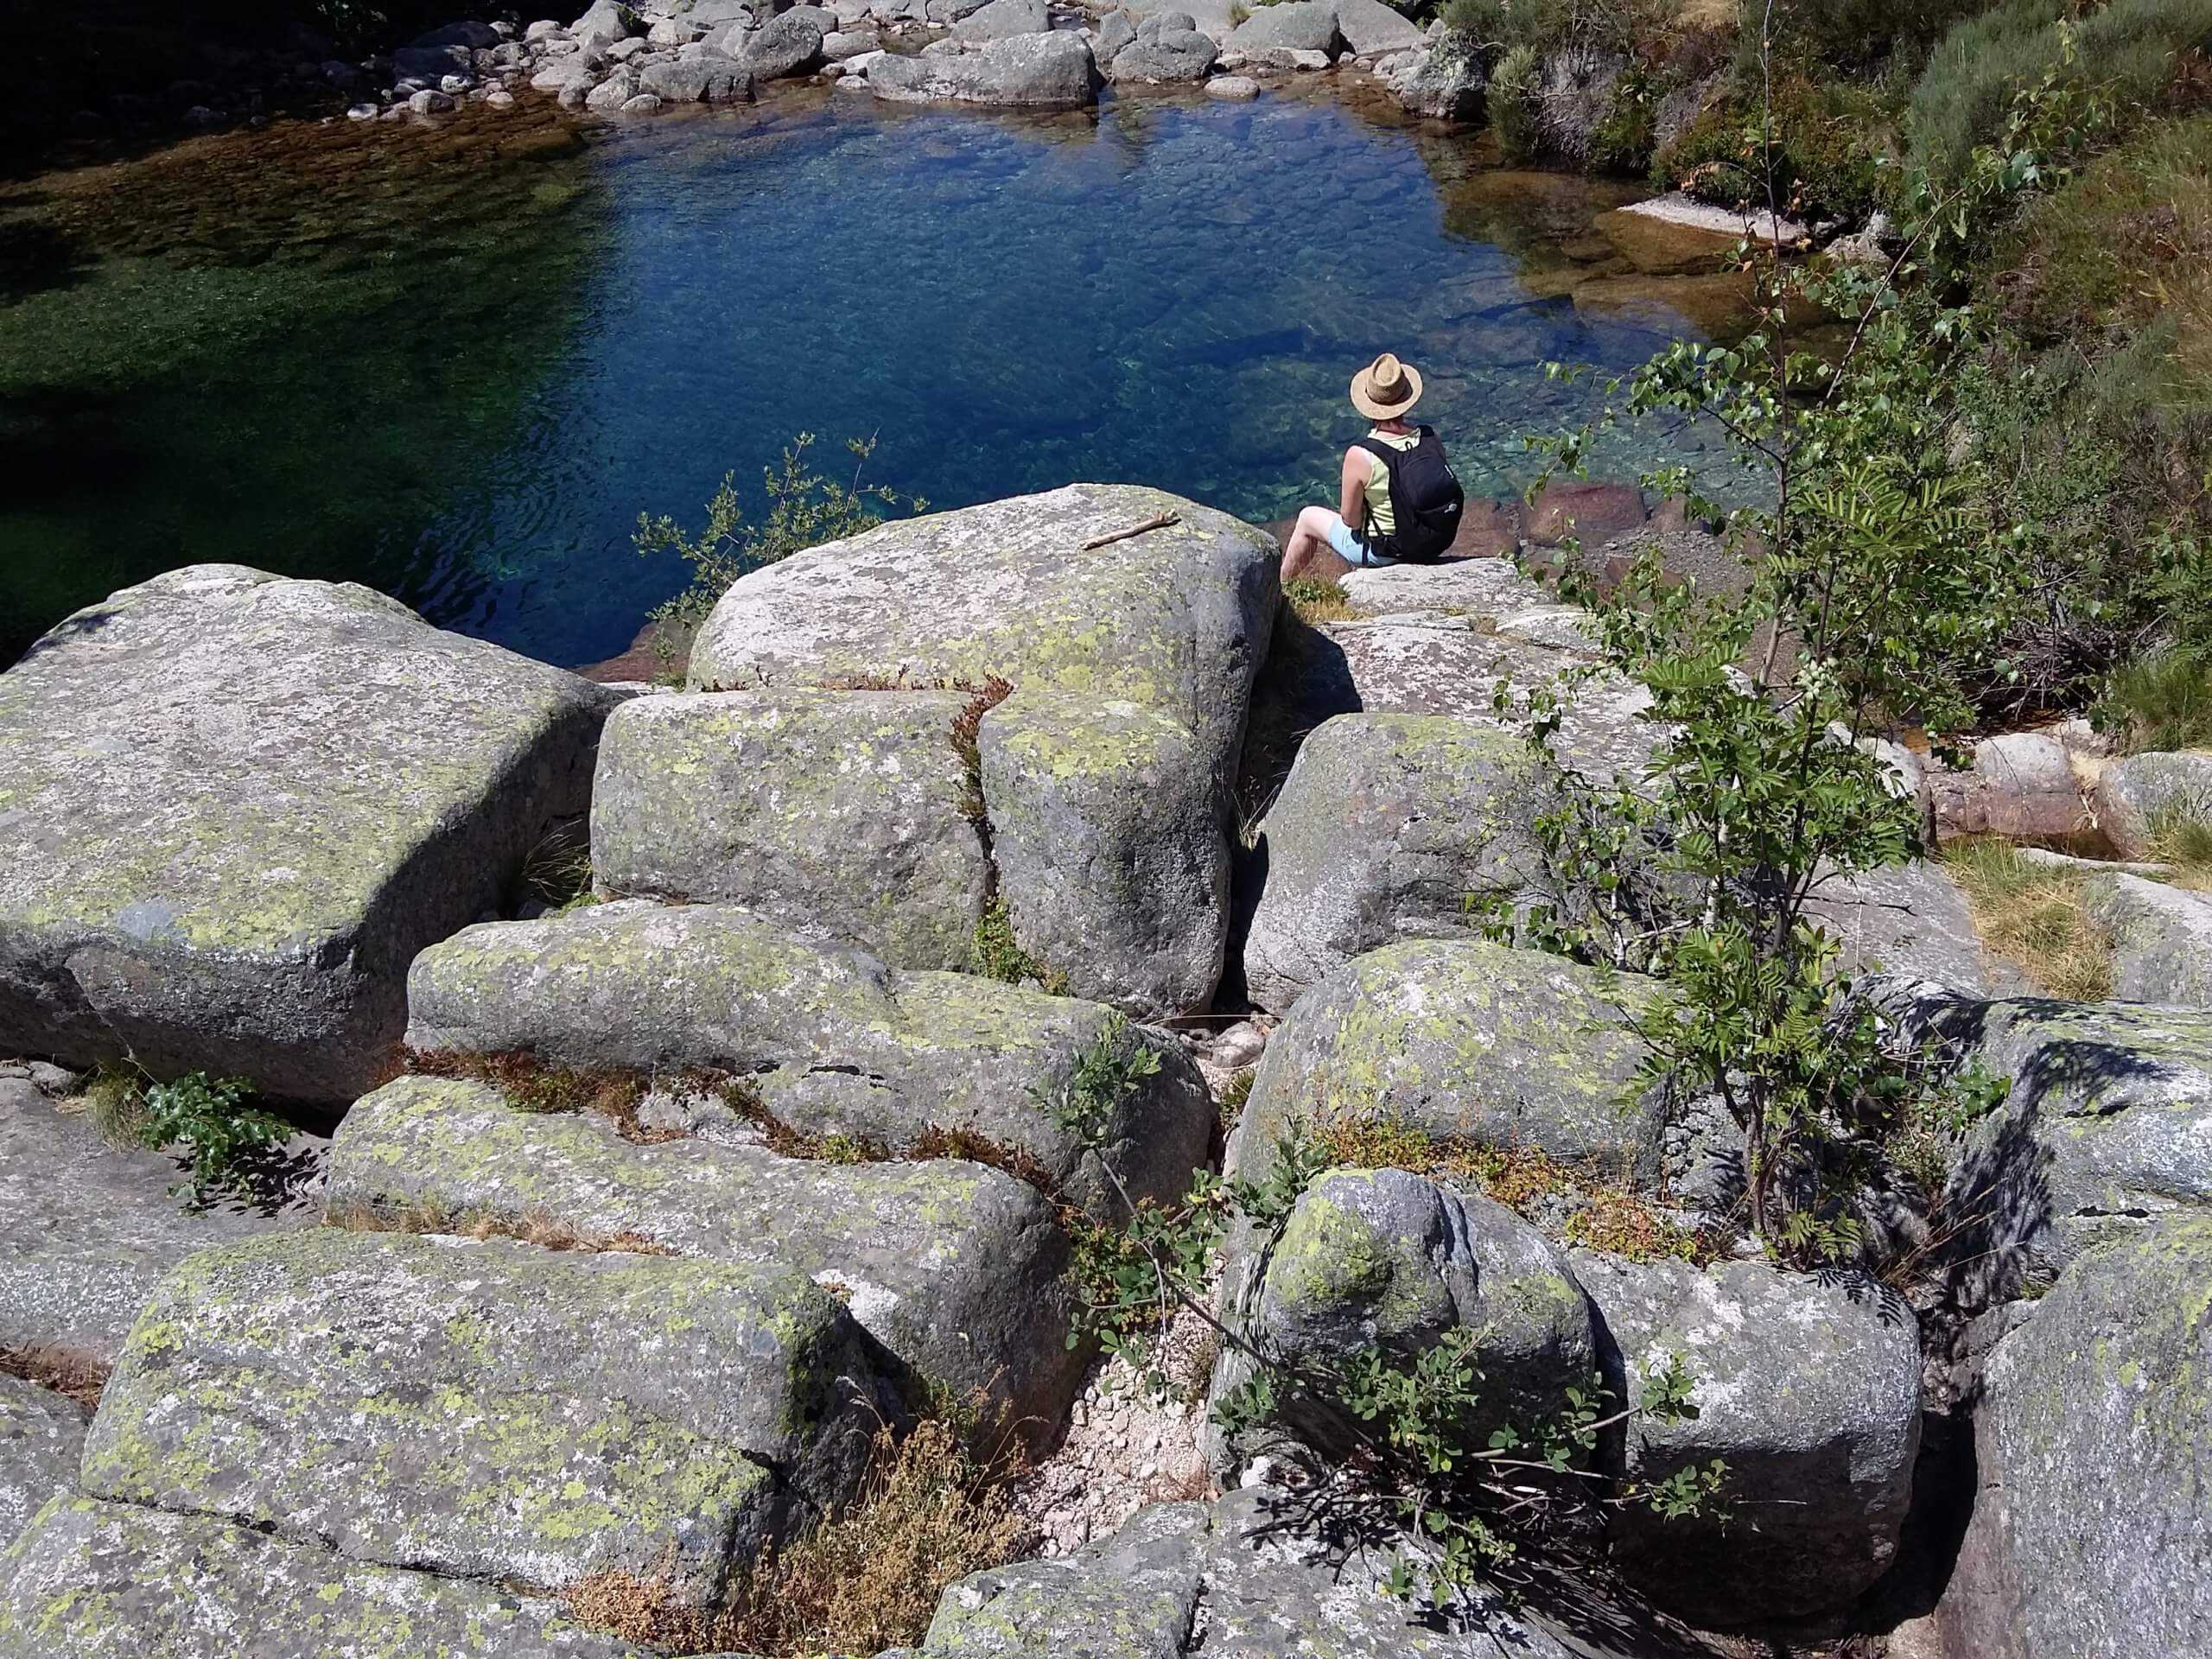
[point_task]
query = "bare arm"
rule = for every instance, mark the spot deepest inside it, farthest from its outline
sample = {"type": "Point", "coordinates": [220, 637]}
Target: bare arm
{"type": "Point", "coordinates": [1353, 507]}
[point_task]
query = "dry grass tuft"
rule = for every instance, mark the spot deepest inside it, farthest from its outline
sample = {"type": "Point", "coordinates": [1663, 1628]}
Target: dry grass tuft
{"type": "Point", "coordinates": [1602, 1214]}
{"type": "Point", "coordinates": [114, 1101]}
{"type": "Point", "coordinates": [545, 1231]}
{"type": "Point", "coordinates": [533, 1085]}
{"type": "Point", "coordinates": [2184, 845]}
{"type": "Point", "coordinates": [1314, 602]}
{"type": "Point", "coordinates": [77, 1377]}
{"type": "Point", "coordinates": [937, 1141]}
{"type": "Point", "coordinates": [932, 1509]}
{"type": "Point", "coordinates": [2034, 916]}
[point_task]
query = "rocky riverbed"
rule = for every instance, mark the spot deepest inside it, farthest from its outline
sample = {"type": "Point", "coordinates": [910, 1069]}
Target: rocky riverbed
{"type": "Point", "coordinates": [940, 809]}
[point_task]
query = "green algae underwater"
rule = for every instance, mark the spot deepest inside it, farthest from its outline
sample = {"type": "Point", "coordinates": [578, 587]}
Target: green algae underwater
{"type": "Point", "coordinates": [454, 360]}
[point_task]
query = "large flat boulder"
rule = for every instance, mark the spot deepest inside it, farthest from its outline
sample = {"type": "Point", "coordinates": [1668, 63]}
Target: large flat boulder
{"type": "Point", "coordinates": [1052, 71]}
{"type": "Point", "coordinates": [998, 20]}
{"type": "Point", "coordinates": [90, 1229]}
{"type": "Point", "coordinates": [1806, 1386]}
{"type": "Point", "coordinates": [237, 805]}
{"type": "Point", "coordinates": [1371, 28]}
{"type": "Point", "coordinates": [958, 1269]}
{"type": "Point", "coordinates": [41, 1436]}
{"type": "Point", "coordinates": [851, 815]}
{"type": "Point", "coordinates": [832, 1040]}
{"type": "Point", "coordinates": [1176, 619]}
{"type": "Point", "coordinates": [1471, 588]}
{"type": "Point", "coordinates": [2092, 1454]}
{"type": "Point", "coordinates": [2109, 1123]}
{"type": "Point", "coordinates": [1106, 828]}
{"type": "Point", "coordinates": [1908, 919]}
{"type": "Point", "coordinates": [1467, 1041]}
{"type": "Point", "coordinates": [489, 1409]}
{"type": "Point", "coordinates": [1287, 26]}
{"type": "Point", "coordinates": [94, 1580]}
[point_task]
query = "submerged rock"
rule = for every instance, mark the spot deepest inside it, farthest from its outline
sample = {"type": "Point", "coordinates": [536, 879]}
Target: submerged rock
{"type": "Point", "coordinates": [2093, 1455]}
{"type": "Point", "coordinates": [957, 1269]}
{"type": "Point", "coordinates": [1463, 1040]}
{"type": "Point", "coordinates": [833, 1041]}
{"type": "Point", "coordinates": [1806, 1386]}
{"type": "Point", "coordinates": [492, 1410]}
{"type": "Point", "coordinates": [848, 815]}
{"type": "Point", "coordinates": [93, 1580]}
{"type": "Point", "coordinates": [41, 1436]}
{"type": "Point", "coordinates": [242, 803]}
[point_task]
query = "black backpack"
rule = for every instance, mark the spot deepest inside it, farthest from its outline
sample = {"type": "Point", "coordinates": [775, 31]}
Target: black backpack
{"type": "Point", "coordinates": [1426, 499]}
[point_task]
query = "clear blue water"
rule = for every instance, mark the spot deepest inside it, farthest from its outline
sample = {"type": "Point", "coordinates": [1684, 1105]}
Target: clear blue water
{"type": "Point", "coordinates": [457, 365]}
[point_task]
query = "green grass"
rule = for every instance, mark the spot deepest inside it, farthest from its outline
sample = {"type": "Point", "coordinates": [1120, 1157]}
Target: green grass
{"type": "Point", "coordinates": [2161, 702]}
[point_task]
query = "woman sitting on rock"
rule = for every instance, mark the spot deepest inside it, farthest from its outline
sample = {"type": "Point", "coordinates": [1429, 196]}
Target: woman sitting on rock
{"type": "Point", "coordinates": [1399, 503]}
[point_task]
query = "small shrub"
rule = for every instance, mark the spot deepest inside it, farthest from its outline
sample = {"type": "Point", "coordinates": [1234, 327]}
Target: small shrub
{"type": "Point", "coordinates": [1233, 1094]}
{"type": "Point", "coordinates": [933, 1509]}
{"type": "Point", "coordinates": [2162, 701]}
{"type": "Point", "coordinates": [2035, 917]}
{"type": "Point", "coordinates": [999, 955]}
{"type": "Point", "coordinates": [1515, 100]}
{"type": "Point", "coordinates": [805, 508]}
{"type": "Point", "coordinates": [222, 1136]}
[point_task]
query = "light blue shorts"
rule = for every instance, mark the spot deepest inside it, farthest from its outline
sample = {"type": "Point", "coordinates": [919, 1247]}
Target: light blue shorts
{"type": "Point", "coordinates": [1347, 546]}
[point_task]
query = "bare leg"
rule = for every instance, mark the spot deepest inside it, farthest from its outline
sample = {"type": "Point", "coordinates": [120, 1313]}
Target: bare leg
{"type": "Point", "coordinates": [1308, 553]}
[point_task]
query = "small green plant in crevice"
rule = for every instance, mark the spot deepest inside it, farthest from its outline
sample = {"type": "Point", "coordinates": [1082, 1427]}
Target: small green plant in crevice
{"type": "Point", "coordinates": [223, 1138]}
{"type": "Point", "coordinates": [967, 743]}
{"type": "Point", "coordinates": [2035, 917]}
{"type": "Point", "coordinates": [1390, 1431]}
{"type": "Point", "coordinates": [804, 509]}
{"type": "Point", "coordinates": [1233, 1094]}
{"type": "Point", "coordinates": [557, 874]}
{"type": "Point", "coordinates": [999, 955]}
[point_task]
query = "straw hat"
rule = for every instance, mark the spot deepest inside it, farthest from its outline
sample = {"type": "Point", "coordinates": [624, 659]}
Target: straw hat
{"type": "Point", "coordinates": [1386, 388]}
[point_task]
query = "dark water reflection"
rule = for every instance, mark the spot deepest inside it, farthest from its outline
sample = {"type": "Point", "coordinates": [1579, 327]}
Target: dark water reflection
{"type": "Point", "coordinates": [456, 365]}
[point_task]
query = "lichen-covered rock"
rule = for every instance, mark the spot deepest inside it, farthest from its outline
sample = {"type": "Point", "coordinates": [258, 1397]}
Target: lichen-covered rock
{"type": "Point", "coordinates": [1053, 71]}
{"type": "Point", "coordinates": [847, 814]}
{"type": "Point", "coordinates": [1239, 1576]}
{"type": "Point", "coordinates": [1444, 82]}
{"type": "Point", "coordinates": [1384, 828]}
{"type": "Point", "coordinates": [1176, 619]}
{"type": "Point", "coordinates": [709, 78]}
{"type": "Point", "coordinates": [789, 44]}
{"type": "Point", "coordinates": [957, 1269]}
{"type": "Point", "coordinates": [1107, 830]}
{"type": "Point", "coordinates": [90, 1229]}
{"type": "Point", "coordinates": [1464, 1040]}
{"type": "Point", "coordinates": [998, 20]}
{"type": "Point", "coordinates": [1163, 57]}
{"type": "Point", "coordinates": [1389, 1259]}
{"type": "Point", "coordinates": [2134, 795]}
{"type": "Point", "coordinates": [1909, 920]}
{"type": "Point", "coordinates": [2108, 1121]}
{"type": "Point", "coordinates": [1806, 1386]}
{"type": "Point", "coordinates": [236, 807]}
{"type": "Point", "coordinates": [93, 1580]}
{"type": "Point", "coordinates": [489, 1409]}
{"type": "Point", "coordinates": [41, 1436]}
{"type": "Point", "coordinates": [1287, 26]}
{"type": "Point", "coordinates": [2091, 1535]}
{"type": "Point", "coordinates": [833, 1040]}
{"type": "Point", "coordinates": [2162, 939]}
